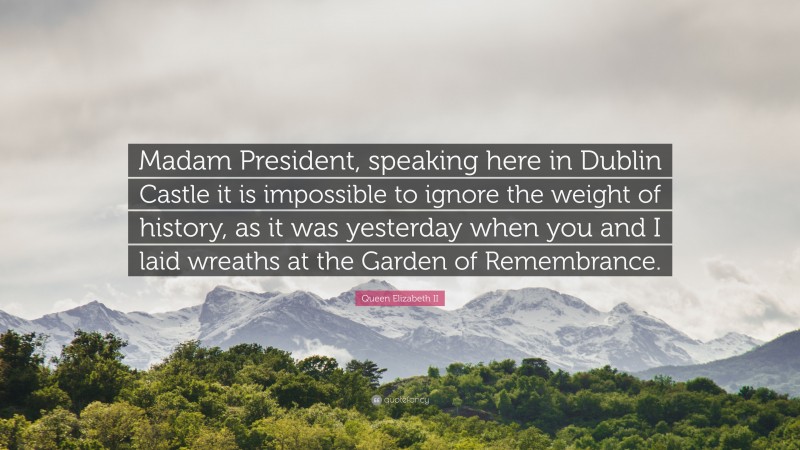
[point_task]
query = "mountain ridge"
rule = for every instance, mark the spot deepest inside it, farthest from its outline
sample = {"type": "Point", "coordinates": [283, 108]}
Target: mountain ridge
{"type": "Point", "coordinates": [529, 322]}
{"type": "Point", "coordinates": [775, 364]}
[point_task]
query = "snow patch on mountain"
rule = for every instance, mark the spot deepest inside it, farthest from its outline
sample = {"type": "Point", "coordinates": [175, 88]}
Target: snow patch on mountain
{"type": "Point", "coordinates": [531, 322]}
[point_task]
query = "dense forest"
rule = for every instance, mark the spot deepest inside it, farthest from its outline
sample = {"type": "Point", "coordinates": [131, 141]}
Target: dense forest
{"type": "Point", "coordinates": [251, 397]}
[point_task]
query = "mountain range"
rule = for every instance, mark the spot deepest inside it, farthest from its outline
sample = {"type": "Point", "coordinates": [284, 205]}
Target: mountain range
{"type": "Point", "coordinates": [531, 322]}
{"type": "Point", "coordinates": [775, 364]}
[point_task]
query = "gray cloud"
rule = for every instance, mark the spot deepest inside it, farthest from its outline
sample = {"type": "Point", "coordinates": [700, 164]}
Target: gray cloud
{"type": "Point", "coordinates": [42, 13]}
{"type": "Point", "coordinates": [722, 270]}
{"type": "Point", "coordinates": [718, 79]}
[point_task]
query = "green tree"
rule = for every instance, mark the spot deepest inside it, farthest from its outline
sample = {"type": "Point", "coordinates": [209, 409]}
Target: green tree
{"type": "Point", "coordinates": [55, 430]}
{"type": "Point", "coordinates": [506, 366]}
{"type": "Point", "coordinates": [48, 398]}
{"type": "Point", "coordinates": [301, 390]}
{"type": "Point", "coordinates": [112, 425]}
{"type": "Point", "coordinates": [503, 404]}
{"type": "Point", "coordinates": [20, 366]}
{"type": "Point", "coordinates": [746, 392]}
{"type": "Point", "coordinates": [211, 439]}
{"type": "Point", "coordinates": [368, 370]}
{"type": "Point", "coordinates": [252, 398]}
{"type": "Point", "coordinates": [532, 439]}
{"type": "Point", "coordinates": [765, 395]}
{"type": "Point", "coordinates": [318, 367]}
{"type": "Point", "coordinates": [254, 401]}
{"type": "Point", "coordinates": [457, 369]}
{"type": "Point", "coordinates": [587, 405]}
{"type": "Point", "coordinates": [354, 391]}
{"type": "Point", "coordinates": [290, 433]}
{"type": "Point", "coordinates": [703, 384]}
{"type": "Point", "coordinates": [90, 368]}
{"type": "Point", "coordinates": [650, 408]}
{"type": "Point", "coordinates": [536, 367]}
{"type": "Point", "coordinates": [443, 397]}
{"type": "Point", "coordinates": [562, 381]}
{"type": "Point", "coordinates": [766, 420]}
{"type": "Point", "coordinates": [404, 432]}
{"type": "Point", "coordinates": [12, 432]}
{"type": "Point", "coordinates": [458, 403]}
{"type": "Point", "coordinates": [663, 382]}
{"type": "Point", "coordinates": [739, 437]}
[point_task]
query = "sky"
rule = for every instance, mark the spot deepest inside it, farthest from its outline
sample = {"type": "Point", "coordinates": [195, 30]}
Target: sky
{"type": "Point", "coordinates": [720, 80]}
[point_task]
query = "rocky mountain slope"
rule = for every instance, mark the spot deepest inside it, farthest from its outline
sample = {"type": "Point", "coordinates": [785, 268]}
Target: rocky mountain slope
{"type": "Point", "coordinates": [537, 322]}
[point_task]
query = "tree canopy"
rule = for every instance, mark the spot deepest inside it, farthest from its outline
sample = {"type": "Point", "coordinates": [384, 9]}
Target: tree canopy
{"type": "Point", "coordinates": [251, 397]}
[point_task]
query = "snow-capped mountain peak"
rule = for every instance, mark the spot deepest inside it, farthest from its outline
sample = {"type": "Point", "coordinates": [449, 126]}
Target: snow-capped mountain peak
{"type": "Point", "coordinates": [623, 308]}
{"type": "Point", "coordinates": [511, 302]}
{"type": "Point", "coordinates": [530, 322]}
{"type": "Point", "coordinates": [373, 285]}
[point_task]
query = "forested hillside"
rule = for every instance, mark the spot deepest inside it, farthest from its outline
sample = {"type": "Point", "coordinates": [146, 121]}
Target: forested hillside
{"type": "Point", "coordinates": [252, 397]}
{"type": "Point", "coordinates": [775, 364]}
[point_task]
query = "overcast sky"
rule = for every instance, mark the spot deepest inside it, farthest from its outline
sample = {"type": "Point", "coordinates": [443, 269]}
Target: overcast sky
{"type": "Point", "coordinates": [720, 80]}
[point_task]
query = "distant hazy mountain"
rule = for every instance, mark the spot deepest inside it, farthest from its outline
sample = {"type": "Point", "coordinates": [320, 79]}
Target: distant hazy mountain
{"type": "Point", "coordinates": [537, 322]}
{"type": "Point", "coordinates": [150, 337]}
{"type": "Point", "coordinates": [775, 364]}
